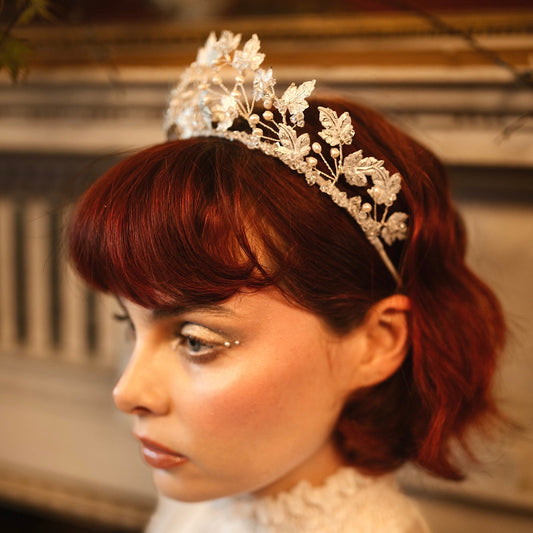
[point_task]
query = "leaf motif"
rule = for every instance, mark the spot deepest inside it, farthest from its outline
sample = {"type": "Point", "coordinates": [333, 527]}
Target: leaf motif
{"type": "Point", "coordinates": [354, 206]}
{"type": "Point", "coordinates": [293, 99]}
{"type": "Point", "coordinates": [353, 172]}
{"type": "Point", "coordinates": [293, 148]}
{"type": "Point", "coordinates": [386, 187]}
{"type": "Point", "coordinates": [208, 53]}
{"type": "Point", "coordinates": [192, 121]}
{"type": "Point", "coordinates": [395, 228]}
{"type": "Point", "coordinates": [263, 83]}
{"type": "Point", "coordinates": [228, 42]}
{"type": "Point", "coordinates": [249, 57]}
{"type": "Point", "coordinates": [338, 130]}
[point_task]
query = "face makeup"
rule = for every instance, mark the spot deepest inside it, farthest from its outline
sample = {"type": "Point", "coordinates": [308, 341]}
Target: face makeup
{"type": "Point", "coordinates": [159, 456]}
{"type": "Point", "coordinates": [221, 396]}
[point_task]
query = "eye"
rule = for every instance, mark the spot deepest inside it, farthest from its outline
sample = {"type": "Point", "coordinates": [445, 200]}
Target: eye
{"type": "Point", "coordinates": [200, 344]}
{"type": "Point", "coordinates": [126, 318]}
{"type": "Point", "coordinates": [123, 318]}
{"type": "Point", "coordinates": [195, 345]}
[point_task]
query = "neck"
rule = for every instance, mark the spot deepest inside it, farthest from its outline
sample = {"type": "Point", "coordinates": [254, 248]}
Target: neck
{"type": "Point", "coordinates": [315, 469]}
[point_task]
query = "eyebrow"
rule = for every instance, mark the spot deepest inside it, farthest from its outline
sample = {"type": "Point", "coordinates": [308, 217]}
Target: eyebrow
{"type": "Point", "coordinates": [159, 314]}
{"type": "Point", "coordinates": [216, 310]}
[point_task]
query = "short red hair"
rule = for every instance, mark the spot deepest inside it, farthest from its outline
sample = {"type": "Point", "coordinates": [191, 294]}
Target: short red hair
{"type": "Point", "coordinates": [195, 221]}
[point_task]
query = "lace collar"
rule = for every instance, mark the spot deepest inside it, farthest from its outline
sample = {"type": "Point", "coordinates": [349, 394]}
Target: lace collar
{"type": "Point", "coordinates": [308, 508]}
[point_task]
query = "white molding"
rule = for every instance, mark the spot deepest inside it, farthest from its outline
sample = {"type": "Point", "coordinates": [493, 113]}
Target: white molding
{"type": "Point", "coordinates": [460, 113]}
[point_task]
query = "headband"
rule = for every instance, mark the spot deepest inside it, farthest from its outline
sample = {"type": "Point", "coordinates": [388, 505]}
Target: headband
{"type": "Point", "coordinates": [227, 82]}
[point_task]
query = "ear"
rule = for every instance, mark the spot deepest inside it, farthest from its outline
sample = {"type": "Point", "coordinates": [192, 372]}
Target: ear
{"type": "Point", "coordinates": [381, 341]}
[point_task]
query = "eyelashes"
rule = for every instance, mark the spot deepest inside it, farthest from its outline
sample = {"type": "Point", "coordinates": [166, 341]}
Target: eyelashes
{"type": "Point", "coordinates": [196, 350]}
{"type": "Point", "coordinates": [194, 342]}
{"type": "Point", "coordinates": [124, 317]}
{"type": "Point", "coordinates": [200, 344]}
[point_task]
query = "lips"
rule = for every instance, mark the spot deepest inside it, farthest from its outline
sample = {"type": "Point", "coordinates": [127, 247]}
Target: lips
{"type": "Point", "coordinates": [159, 456]}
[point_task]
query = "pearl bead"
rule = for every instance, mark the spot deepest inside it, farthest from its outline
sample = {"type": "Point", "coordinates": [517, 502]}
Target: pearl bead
{"type": "Point", "coordinates": [257, 132]}
{"type": "Point", "coordinates": [217, 80]}
{"type": "Point", "coordinates": [253, 119]}
{"type": "Point", "coordinates": [268, 115]}
{"type": "Point", "coordinates": [366, 208]}
{"type": "Point", "coordinates": [312, 161]}
{"type": "Point", "coordinates": [235, 93]}
{"type": "Point", "coordinates": [317, 148]}
{"type": "Point", "coordinates": [267, 103]}
{"type": "Point", "coordinates": [334, 152]}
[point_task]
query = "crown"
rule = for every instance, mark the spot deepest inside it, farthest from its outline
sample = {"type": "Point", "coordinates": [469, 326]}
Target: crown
{"type": "Point", "coordinates": [212, 94]}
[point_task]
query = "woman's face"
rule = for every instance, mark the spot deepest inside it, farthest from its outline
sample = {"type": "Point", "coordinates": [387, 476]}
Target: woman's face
{"type": "Point", "coordinates": [238, 397]}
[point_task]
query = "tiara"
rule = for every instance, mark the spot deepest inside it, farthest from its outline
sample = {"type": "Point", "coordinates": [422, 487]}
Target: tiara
{"type": "Point", "coordinates": [211, 94]}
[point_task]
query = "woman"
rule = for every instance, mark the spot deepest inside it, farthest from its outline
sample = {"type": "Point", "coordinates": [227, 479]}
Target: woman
{"type": "Point", "coordinates": [304, 319]}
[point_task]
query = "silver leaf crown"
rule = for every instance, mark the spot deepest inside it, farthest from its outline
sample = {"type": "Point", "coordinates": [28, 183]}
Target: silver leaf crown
{"type": "Point", "coordinates": [211, 94]}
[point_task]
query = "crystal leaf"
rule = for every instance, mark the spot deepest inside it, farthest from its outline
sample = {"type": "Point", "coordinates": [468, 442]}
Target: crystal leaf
{"type": "Point", "coordinates": [202, 105]}
{"type": "Point", "coordinates": [209, 52]}
{"type": "Point", "coordinates": [338, 130]}
{"type": "Point", "coordinates": [192, 121]}
{"type": "Point", "coordinates": [352, 171]}
{"type": "Point", "coordinates": [386, 187]}
{"type": "Point", "coordinates": [292, 148]}
{"type": "Point", "coordinates": [249, 57]}
{"type": "Point", "coordinates": [293, 99]}
{"type": "Point", "coordinates": [263, 83]}
{"type": "Point", "coordinates": [354, 206]}
{"type": "Point", "coordinates": [395, 228]}
{"type": "Point", "coordinates": [227, 43]}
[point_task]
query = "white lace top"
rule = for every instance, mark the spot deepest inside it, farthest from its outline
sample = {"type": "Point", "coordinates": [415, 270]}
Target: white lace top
{"type": "Point", "coordinates": [347, 502]}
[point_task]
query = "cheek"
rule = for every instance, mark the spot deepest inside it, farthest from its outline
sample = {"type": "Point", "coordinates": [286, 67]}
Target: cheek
{"type": "Point", "coordinates": [231, 405]}
{"type": "Point", "coordinates": [263, 398]}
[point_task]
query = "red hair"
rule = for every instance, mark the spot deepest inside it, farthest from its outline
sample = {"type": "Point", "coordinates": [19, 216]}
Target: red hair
{"type": "Point", "coordinates": [195, 221]}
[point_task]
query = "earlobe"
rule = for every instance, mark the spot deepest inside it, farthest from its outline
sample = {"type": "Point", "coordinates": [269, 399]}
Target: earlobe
{"type": "Point", "coordinates": [385, 330]}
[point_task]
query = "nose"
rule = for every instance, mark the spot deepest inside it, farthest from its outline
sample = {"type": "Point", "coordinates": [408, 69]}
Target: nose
{"type": "Point", "coordinates": [141, 389]}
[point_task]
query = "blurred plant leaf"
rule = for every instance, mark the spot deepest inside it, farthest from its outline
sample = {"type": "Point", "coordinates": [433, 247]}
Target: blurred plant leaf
{"type": "Point", "coordinates": [14, 52]}
{"type": "Point", "coordinates": [13, 56]}
{"type": "Point", "coordinates": [33, 9]}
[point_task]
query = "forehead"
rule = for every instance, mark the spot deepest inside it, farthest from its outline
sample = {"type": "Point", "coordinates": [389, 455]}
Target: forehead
{"type": "Point", "coordinates": [157, 314]}
{"type": "Point", "coordinates": [262, 305]}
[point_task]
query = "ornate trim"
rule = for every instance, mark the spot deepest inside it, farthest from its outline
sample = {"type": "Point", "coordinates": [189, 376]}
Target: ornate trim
{"type": "Point", "coordinates": [173, 43]}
